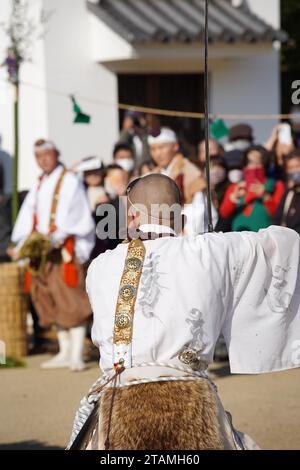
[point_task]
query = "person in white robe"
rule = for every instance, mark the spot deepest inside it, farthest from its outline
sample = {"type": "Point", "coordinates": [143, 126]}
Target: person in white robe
{"type": "Point", "coordinates": [196, 215]}
{"type": "Point", "coordinates": [193, 288]}
{"type": "Point", "coordinates": [57, 208]}
{"type": "Point", "coordinates": [165, 152]}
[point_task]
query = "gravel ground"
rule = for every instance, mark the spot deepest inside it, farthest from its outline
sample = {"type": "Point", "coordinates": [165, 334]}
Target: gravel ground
{"type": "Point", "coordinates": [37, 406]}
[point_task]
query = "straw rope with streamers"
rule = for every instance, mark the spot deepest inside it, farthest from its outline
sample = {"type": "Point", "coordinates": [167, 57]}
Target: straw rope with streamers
{"type": "Point", "coordinates": [165, 112]}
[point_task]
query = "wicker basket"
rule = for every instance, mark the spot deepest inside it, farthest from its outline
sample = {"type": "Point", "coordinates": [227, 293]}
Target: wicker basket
{"type": "Point", "coordinates": [13, 310]}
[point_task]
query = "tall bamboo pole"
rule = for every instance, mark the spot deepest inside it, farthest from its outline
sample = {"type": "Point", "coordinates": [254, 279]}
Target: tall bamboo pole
{"type": "Point", "coordinates": [206, 112]}
{"type": "Point", "coordinates": [15, 198]}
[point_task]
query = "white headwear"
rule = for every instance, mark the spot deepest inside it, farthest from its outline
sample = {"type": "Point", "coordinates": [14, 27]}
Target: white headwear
{"type": "Point", "coordinates": [89, 164]}
{"type": "Point", "coordinates": [166, 136]}
{"type": "Point", "coordinates": [46, 145]}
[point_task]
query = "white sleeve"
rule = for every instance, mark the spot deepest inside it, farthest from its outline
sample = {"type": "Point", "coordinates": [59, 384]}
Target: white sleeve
{"type": "Point", "coordinates": [73, 212]}
{"type": "Point", "coordinates": [262, 322]}
{"type": "Point", "coordinates": [24, 223]}
{"type": "Point", "coordinates": [91, 286]}
{"type": "Point", "coordinates": [196, 215]}
{"type": "Point", "coordinates": [74, 217]}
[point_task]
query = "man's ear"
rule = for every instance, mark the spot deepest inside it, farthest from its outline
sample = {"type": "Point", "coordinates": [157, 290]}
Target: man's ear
{"type": "Point", "coordinates": [133, 218]}
{"type": "Point", "coordinates": [176, 147]}
{"type": "Point", "coordinates": [133, 224]}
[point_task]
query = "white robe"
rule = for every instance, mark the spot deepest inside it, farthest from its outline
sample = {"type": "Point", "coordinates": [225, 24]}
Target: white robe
{"type": "Point", "coordinates": [73, 215]}
{"type": "Point", "coordinates": [246, 285]}
{"type": "Point", "coordinates": [197, 215]}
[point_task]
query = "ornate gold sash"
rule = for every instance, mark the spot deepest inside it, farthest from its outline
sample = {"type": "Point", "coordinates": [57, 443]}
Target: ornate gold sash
{"type": "Point", "coordinates": [124, 316]}
{"type": "Point", "coordinates": [52, 226]}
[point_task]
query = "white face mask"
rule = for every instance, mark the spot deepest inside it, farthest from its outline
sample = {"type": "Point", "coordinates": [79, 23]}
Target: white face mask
{"type": "Point", "coordinates": [126, 163]}
{"type": "Point", "coordinates": [218, 175]}
{"type": "Point", "coordinates": [235, 176]}
{"type": "Point", "coordinates": [109, 189]}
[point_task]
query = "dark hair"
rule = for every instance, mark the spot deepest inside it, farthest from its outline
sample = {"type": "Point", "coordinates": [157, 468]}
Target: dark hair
{"type": "Point", "coordinates": [1, 178]}
{"type": "Point", "coordinates": [241, 132]}
{"type": "Point", "coordinates": [290, 156]}
{"type": "Point", "coordinates": [221, 151]}
{"type": "Point", "coordinates": [150, 163]}
{"type": "Point", "coordinates": [122, 146]}
{"type": "Point", "coordinates": [265, 155]}
{"type": "Point", "coordinates": [220, 161]}
{"type": "Point", "coordinates": [113, 166]}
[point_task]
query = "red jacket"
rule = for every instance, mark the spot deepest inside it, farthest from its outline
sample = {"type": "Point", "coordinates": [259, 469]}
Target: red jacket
{"type": "Point", "coordinates": [228, 207]}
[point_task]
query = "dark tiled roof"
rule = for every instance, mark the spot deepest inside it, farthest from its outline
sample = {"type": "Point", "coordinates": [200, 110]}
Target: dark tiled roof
{"type": "Point", "coordinates": [145, 21]}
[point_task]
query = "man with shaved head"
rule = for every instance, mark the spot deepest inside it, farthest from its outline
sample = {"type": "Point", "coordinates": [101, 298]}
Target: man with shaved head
{"type": "Point", "coordinates": [154, 199]}
{"type": "Point", "coordinates": [160, 302]}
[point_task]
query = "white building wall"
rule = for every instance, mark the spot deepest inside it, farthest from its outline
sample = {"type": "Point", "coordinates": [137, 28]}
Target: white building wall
{"type": "Point", "coordinates": [33, 105]}
{"type": "Point", "coordinates": [248, 86]}
{"type": "Point", "coordinates": [62, 64]}
{"type": "Point", "coordinates": [107, 45]}
{"type": "Point", "coordinates": [70, 69]}
{"type": "Point", "coordinates": [251, 85]}
{"type": "Point", "coordinates": [6, 97]}
{"type": "Point", "coordinates": [268, 10]}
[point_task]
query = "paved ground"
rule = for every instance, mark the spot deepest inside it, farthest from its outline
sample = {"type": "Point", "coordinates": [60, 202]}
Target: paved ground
{"type": "Point", "coordinates": [37, 407]}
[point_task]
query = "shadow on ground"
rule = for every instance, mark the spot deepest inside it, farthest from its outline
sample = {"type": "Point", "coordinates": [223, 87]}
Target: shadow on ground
{"type": "Point", "coordinates": [29, 445]}
{"type": "Point", "coordinates": [220, 369]}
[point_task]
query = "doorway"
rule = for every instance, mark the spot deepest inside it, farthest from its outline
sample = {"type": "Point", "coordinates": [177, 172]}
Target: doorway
{"type": "Point", "coordinates": [178, 92]}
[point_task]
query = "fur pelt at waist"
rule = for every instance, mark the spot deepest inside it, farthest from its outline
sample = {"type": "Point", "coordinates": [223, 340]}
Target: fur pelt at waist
{"type": "Point", "coordinates": [161, 416]}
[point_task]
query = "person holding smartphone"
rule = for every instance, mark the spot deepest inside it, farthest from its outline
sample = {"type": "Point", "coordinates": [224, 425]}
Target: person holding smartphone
{"type": "Point", "coordinates": [252, 202]}
{"type": "Point", "coordinates": [288, 213]}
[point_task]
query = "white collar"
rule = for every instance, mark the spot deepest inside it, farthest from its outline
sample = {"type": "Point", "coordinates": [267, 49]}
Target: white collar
{"type": "Point", "coordinates": [167, 171]}
{"type": "Point", "coordinates": [57, 170]}
{"type": "Point", "coordinates": [156, 228]}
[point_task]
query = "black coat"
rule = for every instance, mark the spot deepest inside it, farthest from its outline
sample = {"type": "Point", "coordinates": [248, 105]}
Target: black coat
{"type": "Point", "coordinates": [5, 225]}
{"type": "Point", "coordinates": [292, 220]}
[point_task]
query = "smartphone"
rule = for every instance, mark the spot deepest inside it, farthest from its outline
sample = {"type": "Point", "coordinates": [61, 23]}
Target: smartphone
{"type": "Point", "coordinates": [254, 175]}
{"type": "Point", "coordinates": [285, 134]}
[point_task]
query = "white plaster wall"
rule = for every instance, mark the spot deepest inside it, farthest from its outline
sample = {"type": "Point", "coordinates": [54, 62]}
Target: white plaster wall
{"type": "Point", "coordinates": [6, 96]}
{"type": "Point", "coordinates": [62, 64]}
{"type": "Point", "coordinates": [248, 86]}
{"type": "Point", "coordinates": [33, 110]}
{"type": "Point", "coordinates": [71, 69]}
{"type": "Point", "coordinates": [268, 10]}
{"type": "Point", "coordinates": [252, 84]}
{"type": "Point", "coordinates": [106, 44]}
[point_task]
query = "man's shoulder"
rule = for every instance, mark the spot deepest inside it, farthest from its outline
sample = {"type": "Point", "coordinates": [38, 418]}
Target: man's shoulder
{"type": "Point", "coordinates": [70, 181]}
{"type": "Point", "coordinates": [108, 255]}
{"type": "Point", "coordinates": [189, 166]}
{"type": "Point", "coordinates": [70, 175]}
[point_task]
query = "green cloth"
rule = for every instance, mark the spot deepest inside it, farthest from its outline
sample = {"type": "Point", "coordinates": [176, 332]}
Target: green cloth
{"type": "Point", "coordinates": [80, 117]}
{"type": "Point", "coordinates": [259, 217]}
{"type": "Point", "coordinates": [218, 129]}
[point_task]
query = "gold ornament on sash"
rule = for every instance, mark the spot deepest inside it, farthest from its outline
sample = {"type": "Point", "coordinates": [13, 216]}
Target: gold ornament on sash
{"type": "Point", "coordinates": [123, 327]}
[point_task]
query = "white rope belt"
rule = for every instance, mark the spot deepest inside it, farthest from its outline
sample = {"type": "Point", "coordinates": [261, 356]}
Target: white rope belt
{"type": "Point", "coordinates": [88, 402]}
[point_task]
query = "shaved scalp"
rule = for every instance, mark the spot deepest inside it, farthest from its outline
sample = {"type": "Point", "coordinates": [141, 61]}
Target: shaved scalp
{"type": "Point", "coordinates": [157, 198]}
{"type": "Point", "coordinates": [155, 189]}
